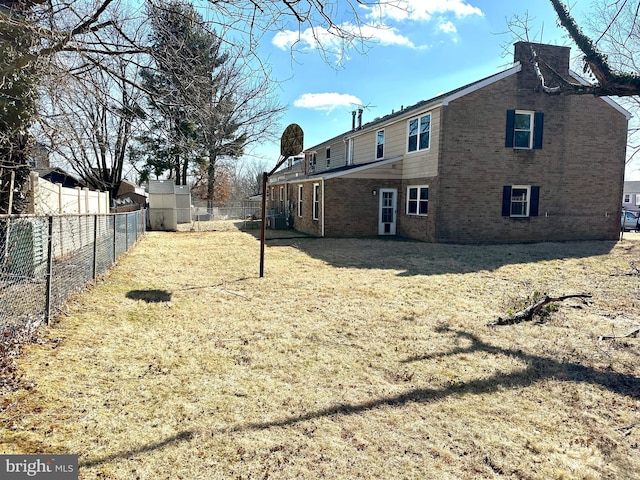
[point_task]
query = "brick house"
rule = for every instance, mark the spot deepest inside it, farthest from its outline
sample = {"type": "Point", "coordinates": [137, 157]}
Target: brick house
{"type": "Point", "coordinates": [495, 161]}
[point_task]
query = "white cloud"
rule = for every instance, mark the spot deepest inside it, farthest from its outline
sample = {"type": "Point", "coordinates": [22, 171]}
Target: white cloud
{"type": "Point", "coordinates": [385, 35]}
{"type": "Point", "coordinates": [448, 27]}
{"type": "Point", "coordinates": [321, 38]}
{"type": "Point", "coordinates": [326, 101]}
{"type": "Point", "coordinates": [378, 30]}
{"type": "Point", "coordinates": [420, 10]}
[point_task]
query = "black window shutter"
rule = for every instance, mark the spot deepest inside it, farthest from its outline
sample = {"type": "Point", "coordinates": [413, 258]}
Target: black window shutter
{"type": "Point", "coordinates": [538, 122]}
{"type": "Point", "coordinates": [511, 123]}
{"type": "Point", "coordinates": [506, 201]}
{"type": "Point", "coordinates": [535, 198]}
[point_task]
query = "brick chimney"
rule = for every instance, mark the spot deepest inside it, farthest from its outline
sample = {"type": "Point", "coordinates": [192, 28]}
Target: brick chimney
{"type": "Point", "coordinates": [554, 56]}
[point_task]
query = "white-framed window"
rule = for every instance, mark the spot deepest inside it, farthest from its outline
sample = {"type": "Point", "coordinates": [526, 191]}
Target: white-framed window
{"type": "Point", "coordinates": [627, 198]}
{"type": "Point", "coordinates": [524, 129]}
{"type": "Point", "coordinates": [272, 193]}
{"type": "Point", "coordinates": [418, 200]}
{"type": "Point", "coordinates": [299, 200]}
{"type": "Point", "coordinates": [380, 144]}
{"type": "Point", "coordinates": [316, 201]}
{"type": "Point", "coordinates": [419, 131]}
{"type": "Point", "coordinates": [328, 157]}
{"type": "Point", "coordinates": [520, 200]}
{"type": "Point", "coordinates": [637, 199]}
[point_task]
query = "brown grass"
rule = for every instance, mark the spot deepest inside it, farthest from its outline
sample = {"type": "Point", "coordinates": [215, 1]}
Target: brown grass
{"type": "Point", "coordinates": [350, 359]}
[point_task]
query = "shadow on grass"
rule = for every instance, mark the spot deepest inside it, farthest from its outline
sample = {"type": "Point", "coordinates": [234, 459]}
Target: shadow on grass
{"type": "Point", "coordinates": [420, 258]}
{"type": "Point", "coordinates": [537, 369]}
{"type": "Point", "coordinates": [179, 437]}
{"type": "Point", "coordinates": [149, 296]}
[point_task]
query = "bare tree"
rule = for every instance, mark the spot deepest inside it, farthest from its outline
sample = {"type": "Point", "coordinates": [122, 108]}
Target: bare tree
{"type": "Point", "coordinates": [241, 110]}
{"type": "Point", "coordinates": [33, 35]}
{"type": "Point", "coordinates": [88, 122]}
{"type": "Point", "coordinates": [611, 77]}
{"type": "Point", "coordinates": [39, 38]}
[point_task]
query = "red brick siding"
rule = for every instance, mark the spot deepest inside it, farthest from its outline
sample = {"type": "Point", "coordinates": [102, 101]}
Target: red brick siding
{"type": "Point", "coordinates": [413, 226]}
{"type": "Point", "coordinates": [579, 169]}
{"type": "Point", "coordinates": [351, 208]}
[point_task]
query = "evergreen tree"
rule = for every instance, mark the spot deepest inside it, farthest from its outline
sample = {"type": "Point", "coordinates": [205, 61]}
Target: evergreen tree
{"type": "Point", "coordinates": [180, 88]}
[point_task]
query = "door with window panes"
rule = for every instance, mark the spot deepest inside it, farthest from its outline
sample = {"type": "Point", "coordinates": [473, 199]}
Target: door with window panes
{"type": "Point", "coordinates": [387, 215]}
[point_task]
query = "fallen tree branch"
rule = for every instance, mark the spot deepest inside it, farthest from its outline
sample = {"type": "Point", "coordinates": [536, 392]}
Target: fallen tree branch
{"type": "Point", "coordinates": [633, 333]}
{"type": "Point", "coordinates": [626, 430]}
{"type": "Point", "coordinates": [528, 313]}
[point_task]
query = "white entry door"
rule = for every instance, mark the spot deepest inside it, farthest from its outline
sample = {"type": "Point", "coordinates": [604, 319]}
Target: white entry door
{"type": "Point", "coordinates": [387, 216]}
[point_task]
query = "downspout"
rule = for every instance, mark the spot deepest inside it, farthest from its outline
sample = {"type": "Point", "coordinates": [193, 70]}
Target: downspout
{"type": "Point", "coordinates": [322, 207]}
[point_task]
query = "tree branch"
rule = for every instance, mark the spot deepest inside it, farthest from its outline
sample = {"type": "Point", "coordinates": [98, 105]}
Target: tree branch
{"type": "Point", "coordinates": [528, 313]}
{"type": "Point", "coordinates": [610, 83]}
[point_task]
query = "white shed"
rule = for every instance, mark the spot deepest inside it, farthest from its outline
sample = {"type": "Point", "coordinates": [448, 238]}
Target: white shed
{"type": "Point", "coordinates": [162, 205]}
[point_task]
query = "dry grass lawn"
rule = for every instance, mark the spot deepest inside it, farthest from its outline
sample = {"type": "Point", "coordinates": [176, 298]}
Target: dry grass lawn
{"type": "Point", "coordinates": [350, 359]}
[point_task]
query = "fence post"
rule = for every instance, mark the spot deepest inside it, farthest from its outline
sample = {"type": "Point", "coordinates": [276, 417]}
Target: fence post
{"type": "Point", "coordinates": [47, 304]}
{"type": "Point", "coordinates": [115, 236]}
{"type": "Point", "coordinates": [95, 246]}
{"type": "Point", "coordinates": [126, 230]}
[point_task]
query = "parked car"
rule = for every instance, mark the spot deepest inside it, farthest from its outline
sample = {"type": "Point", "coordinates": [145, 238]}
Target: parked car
{"type": "Point", "coordinates": [628, 222]}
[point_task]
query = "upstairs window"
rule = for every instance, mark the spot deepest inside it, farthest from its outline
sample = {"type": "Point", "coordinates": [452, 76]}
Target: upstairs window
{"type": "Point", "coordinates": [520, 200]}
{"type": "Point", "coordinates": [627, 198]}
{"type": "Point", "coordinates": [419, 131]}
{"type": "Point", "coordinates": [328, 157]}
{"type": "Point", "coordinates": [524, 129]}
{"type": "Point", "coordinates": [380, 144]}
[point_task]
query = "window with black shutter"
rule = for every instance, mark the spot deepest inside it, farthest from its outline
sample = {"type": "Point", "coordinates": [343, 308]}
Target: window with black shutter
{"type": "Point", "coordinates": [519, 201]}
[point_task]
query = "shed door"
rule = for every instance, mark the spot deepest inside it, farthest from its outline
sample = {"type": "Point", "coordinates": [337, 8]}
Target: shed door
{"type": "Point", "coordinates": [387, 216]}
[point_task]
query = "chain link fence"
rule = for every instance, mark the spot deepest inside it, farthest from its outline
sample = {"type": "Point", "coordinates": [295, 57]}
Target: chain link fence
{"type": "Point", "coordinates": [45, 259]}
{"type": "Point", "coordinates": [241, 215]}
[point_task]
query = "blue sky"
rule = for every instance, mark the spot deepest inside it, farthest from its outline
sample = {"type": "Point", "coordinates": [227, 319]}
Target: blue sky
{"type": "Point", "coordinates": [430, 47]}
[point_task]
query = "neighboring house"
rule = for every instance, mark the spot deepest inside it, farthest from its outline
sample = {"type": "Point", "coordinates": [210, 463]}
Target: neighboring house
{"type": "Point", "coordinates": [58, 175]}
{"type": "Point", "coordinates": [131, 194]}
{"type": "Point", "coordinates": [631, 196]}
{"type": "Point", "coordinates": [495, 161]}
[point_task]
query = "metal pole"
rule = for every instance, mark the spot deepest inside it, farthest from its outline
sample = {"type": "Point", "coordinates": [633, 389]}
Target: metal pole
{"type": "Point", "coordinates": [115, 236]}
{"type": "Point", "coordinates": [8, 229]}
{"type": "Point", "coordinates": [11, 187]}
{"type": "Point", "coordinates": [264, 221]}
{"type": "Point", "coordinates": [95, 247]}
{"type": "Point", "coordinates": [47, 305]}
